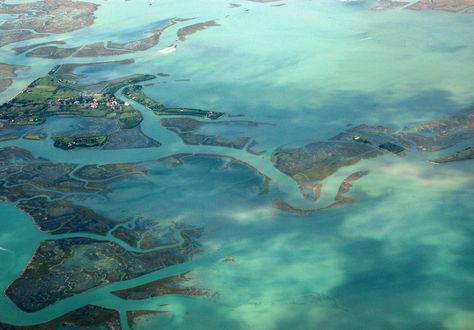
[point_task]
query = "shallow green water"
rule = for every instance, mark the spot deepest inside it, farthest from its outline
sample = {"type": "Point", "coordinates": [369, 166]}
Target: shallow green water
{"type": "Point", "coordinates": [399, 257]}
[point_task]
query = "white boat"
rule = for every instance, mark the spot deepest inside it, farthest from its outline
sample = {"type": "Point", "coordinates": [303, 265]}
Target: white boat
{"type": "Point", "coordinates": [168, 49]}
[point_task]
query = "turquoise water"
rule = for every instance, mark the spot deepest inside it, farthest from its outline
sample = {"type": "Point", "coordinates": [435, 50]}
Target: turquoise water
{"type": "Point", "coordinates": [399, 257]}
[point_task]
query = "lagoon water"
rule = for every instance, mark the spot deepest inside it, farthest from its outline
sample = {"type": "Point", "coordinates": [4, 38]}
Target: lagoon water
{"type": "Point", "coordinates": [399, 257]}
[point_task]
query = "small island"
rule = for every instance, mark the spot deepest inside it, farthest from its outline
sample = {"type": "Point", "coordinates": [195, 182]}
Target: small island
{"type": "Point", "coordinates": [339, 199]}
{"type": "Point", "coordinates": [194, 28]}
{"type": "Point", "coordinates": [316, 161]}
{"type": "Point", "coordinates": [439, 134]}
{"type": "Point", "coordinates": [136, 93]}
{"type": "Point", "coordinates": [51, 96]}
{"type": "Point", "coordinates": [70, 142]}
{"type": "Point", "coordinates": [87, 317]}
{"type": "Point", "coordinates": [188, 130]}
{"type": "Point", "coordinates": [465, 154]}
{"type": "Point", "coordinates": [464, 6]}
{"type": "Point", "coordinates": [456, 6]}
{"type": "Point", "coordinates": [175, 285]}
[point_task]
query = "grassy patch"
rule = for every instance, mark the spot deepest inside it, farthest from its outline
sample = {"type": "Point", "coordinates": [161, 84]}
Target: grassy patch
{"type": "Point", "coordinates": [129, 119]}
{"type": "Point", "coordinates": [71, 142]}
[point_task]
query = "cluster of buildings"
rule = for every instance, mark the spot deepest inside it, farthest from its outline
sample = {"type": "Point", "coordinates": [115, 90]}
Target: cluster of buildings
{"type": "Point", "coordinates": [114, 104]}
{"type": "Point", "coordinates": [92, 102]}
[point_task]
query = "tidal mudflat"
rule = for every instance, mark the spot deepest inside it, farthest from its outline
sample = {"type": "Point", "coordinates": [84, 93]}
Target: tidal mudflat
{"type": "Point", "coordinates": [238, 165]}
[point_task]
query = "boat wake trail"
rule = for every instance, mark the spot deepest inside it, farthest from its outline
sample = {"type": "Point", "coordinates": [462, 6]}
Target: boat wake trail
{"type": "Point", "coordinates": [5, 250]}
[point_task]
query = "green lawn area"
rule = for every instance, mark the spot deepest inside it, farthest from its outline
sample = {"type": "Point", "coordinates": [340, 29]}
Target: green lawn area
{"type": "Point", "coordinates": [71, 142]}
{"type": "Point", "coordinates": [129, 119]}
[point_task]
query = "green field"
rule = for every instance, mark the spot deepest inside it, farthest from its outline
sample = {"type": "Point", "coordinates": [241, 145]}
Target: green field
{"type": "Point", "coordinates": [71, 142]}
